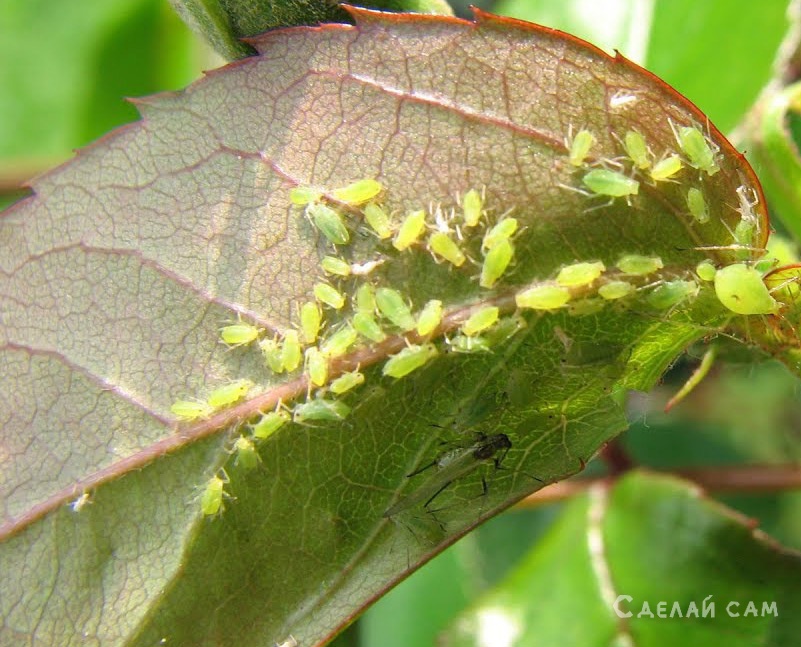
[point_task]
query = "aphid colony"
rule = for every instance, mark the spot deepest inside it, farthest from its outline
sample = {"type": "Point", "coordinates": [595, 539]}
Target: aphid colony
{"type": "Point", "coordinates": [339, 319]}
{"type": "Point", "coordinates": [609, 178]}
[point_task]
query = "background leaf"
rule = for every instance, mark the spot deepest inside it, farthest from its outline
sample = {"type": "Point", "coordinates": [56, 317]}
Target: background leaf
{"type": "Point", "coordinates": [123, 267]}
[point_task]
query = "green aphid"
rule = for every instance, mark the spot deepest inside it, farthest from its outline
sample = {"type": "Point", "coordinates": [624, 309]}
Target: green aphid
{"type": "Point", "coordinates": [303, 195]}
{"type": "Point", "coordinates": [580, 147]}
{"type": "Point", "coordinates": [671, 293]}
{"type": "Point", "coordinates": [273, 354]}
{"type": "Point", "coordinates": [502, 231]}
{"type": "Point", "coordinates": [472, 207]}
{"type": "Point", "coordinates": [378, 219]}
{"type": "Point", "coordinates": [614, 290]}
{"type": "Point", "coordinates": [480, 320]}
{"type": "Point", "coordinates": [543, 297]}
{"type": "Point", "coordinates": [637, 149]}
{"type": "Point", "coordinates": [410, 230]}
{"type": "Point", "coordinates": [585, 307]}
{"type": "Point", "coordinates": [469, 344]}
{"type": "Point", "coordinates": [579, 274]}
{"type": "Point", "coordinates": [697, 149]}
{"type": "Point", "coordinates": [239, 334]}
{"type": "Point", "coordinates": [211, 501]}
{"type": "Point", "coordinates": [346, 382]}
{"type": "Point", "coordinates": [666, 168]}
{"type": "Point", "coordinates": [495, 263]}
{"type": "Point", "coordinates": [446, 248]}
{"type": "Point", "coordinates": [269, 423]}
{"type": "Point", "coordinates": [310, 321]}
{"type": "Point", "coordinates": [329, 222]}
{"type": "Point", "coordinates": [228, 394]}
{"type": "Point", "coordinates": [409, 359]}
{"type": "Point", "coordinates": [339, 342]}
{"type": "Point", "coordinates": [321, 409]}
{"type": "Point", "coordinates": [392, 306]}
{"type": "Point", "coordinates": [246, 454]}
{"type": "Point", "coordinates": [430, 317]}
{"type": "Point", "coordinates": [636, 265]}
{"type": "Point", "coordinates": [316, 366]}
{"type": "Point", "coordinates": [329, 295]}
{"type": "Point", "coordinates": [505, 329]}
{"type": "Point", "coordinates": [740, 288]}
{"type": "Point", "coordinates": [290, 350]}
{"type": "Point", "coordinates": [358, 192]}
{"type": "Point", "coordinates": [697, 205]}
{"type": "Point", "coordinates": [365, 324]}
{"type": "Point", "coordinates": [336, 266]}
{"type": "Point", "coordinates": [610, 183]}
{"type": "Point", "coordinates": [191, 409]}
{"type": "Point", "coordinates": [365, 299]}
{"type": "Point", "coordinates": [706, 271]}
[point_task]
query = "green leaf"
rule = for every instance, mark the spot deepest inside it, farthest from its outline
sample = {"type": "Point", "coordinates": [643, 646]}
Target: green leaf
{"type": "Point", "coordinates": [121, 270]}
{"type": "Point", "coordinates": [653, 539]}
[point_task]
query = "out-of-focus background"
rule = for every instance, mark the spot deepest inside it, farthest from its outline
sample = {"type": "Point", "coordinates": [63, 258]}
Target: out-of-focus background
{"type": "Point", "coordinates": [66, 66]}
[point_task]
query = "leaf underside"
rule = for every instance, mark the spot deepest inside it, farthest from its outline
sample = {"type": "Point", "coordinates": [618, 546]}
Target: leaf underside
{"type": "Point", "coordinates": [121, 269]}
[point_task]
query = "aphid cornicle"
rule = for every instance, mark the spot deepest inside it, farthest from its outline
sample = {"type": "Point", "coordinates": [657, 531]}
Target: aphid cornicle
{"type": "Point", "coordinates": [329, 222]}
{"type": "Point", "coordinates": [608, 183]}
{"type": "Point", "coordinates": [495, 263]}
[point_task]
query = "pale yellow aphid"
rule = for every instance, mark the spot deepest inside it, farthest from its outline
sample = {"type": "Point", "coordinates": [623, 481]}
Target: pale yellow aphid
{"type": "Point", "coordinates": [503, 230]}
{"type": "Point", "coordinates": [480, 320]}
{"type": "Point", "coordinates": [346, 382]}
{"type": "Point", "coordinates": [365, 324]}
{"type": "Point", "coordinates": [329, 222]}
{"type": "Point", "coordinates": [495, 263]}
{"type": "Point", "coordinates": [543, 297]}
{"type": "Point", "coordinates": [446, 248]}
{"type": "Point", "coordinates": [290, 350]}
{"type": "Point", "coordinates": [316, 366]}
{"type": "Point", "coordinates": [335, 265]}
{"type": "Point", "coordinates": [273, 354]}
{"type": "Point", "coordinates": [211, 500]}
{"type": "Point", "coordinates": [303, 195]}
{"type": "Point", "coordinates": [191, 409]}
{"type": "Point", "coordinates": [469, 344]}
{"type": "Point", "coordinates": [228, 394]}
{"type": "Point", "coordinates": [579, 274]}
{"type": "Point", "coordinates": [637, 149]}
{"type": "Point", "coordinates": [697, 205]}
{"type": "Point", "coordinates": [609, 183]}
{"type": "Point", "coordinates": [310, 321]}
{"type": "Point", "coordinates": [429, 318]}
{"type": "Point", "coordinates": [409, 359]}
{"type": "Point", "coordinates": [472, 207]}
{"type": "Point", "coordinates": [239, 334]}
{"type": "Point", "coordinates": [410, 230]}
{"type": "Point", "coordinates": [666, 168]}
{"type": "Point", "coordinates": [339, 342]}
{"type": "Point", "coordinates": [392, 305]}
{"type": "Point", "coordinates": [615, 290]}
{"type": "Point", "coordinates": [378, 220]}
{"type": "Point", "coordinates": [329, 295]}
{"type": "Point", "coordinates": [706, 271]}
{"type": "Point", "coordinates": [246, 454]}
{"type": "Point", "coordinates": [697, 149]}
{"type": "Point", "coordinates": [580, 147]}
{"type": "Point", "coordinates": [637, 265]}
{"type": "Point", "coordinates": [269, 423]}
{"type": "Point", "coordinates": [358, 192]}
{"type": "Point", "coordinates": [365, 299]}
